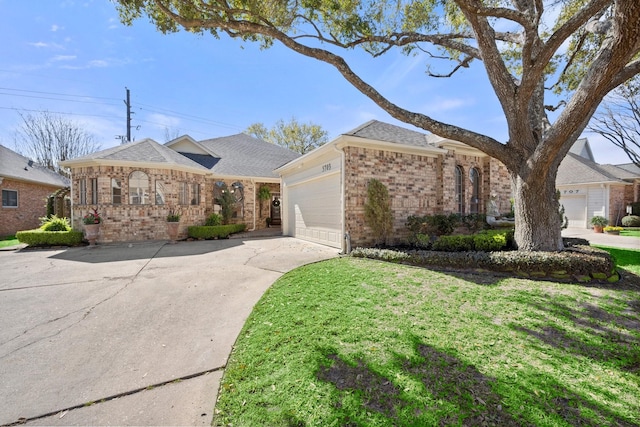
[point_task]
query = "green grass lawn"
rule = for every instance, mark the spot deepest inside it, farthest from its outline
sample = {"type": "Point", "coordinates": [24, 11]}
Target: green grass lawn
{"type": "Point", "coordinates": [631, 233]}
{"type": "Point", "coordinates": [360, 342]}
{"type": "Point", "coordinates": [629, 259]}
{"type": "Point", "coordinates": [8, 241]}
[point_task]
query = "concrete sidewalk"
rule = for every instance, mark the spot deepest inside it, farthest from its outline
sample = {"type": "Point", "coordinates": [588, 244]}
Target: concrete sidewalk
{"type": "Point", "coordinates": [129, 334]}
{"type": "Point", "coordinates": [603, 239]}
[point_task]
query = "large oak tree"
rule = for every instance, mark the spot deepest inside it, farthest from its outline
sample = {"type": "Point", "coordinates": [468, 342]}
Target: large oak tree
{"type": "Point", "coordinates": [529, 48]}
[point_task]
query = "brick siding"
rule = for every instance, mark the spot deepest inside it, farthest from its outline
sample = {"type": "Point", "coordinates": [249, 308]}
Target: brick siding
{"type": "Point", "coordinates": [32, 205]}
{"type": "Point", "coordinates": [418, 185]}
{"type": "Point", "coordinates": [128, 222]}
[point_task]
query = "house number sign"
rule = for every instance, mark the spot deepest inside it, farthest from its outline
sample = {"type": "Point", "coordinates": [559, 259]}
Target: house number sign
{"type": "Point", "coordinates": [572, 192]}
{"type": "Point", "coordinates": [326, 167]}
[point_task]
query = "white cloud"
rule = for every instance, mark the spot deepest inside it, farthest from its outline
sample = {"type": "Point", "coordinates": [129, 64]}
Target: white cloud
{"type": "Point", "coordinates": [55, 28]}
{"type": "Point", "coordinates": [44, 45]}
{"type": "Point", "coordinates": [440, 104]}
{"type": "Point", "coordinates": [63, 58]}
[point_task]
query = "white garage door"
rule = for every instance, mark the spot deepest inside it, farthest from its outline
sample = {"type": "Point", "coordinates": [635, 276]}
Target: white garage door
{"type": "Point", "coordinates": [315, 212]}
{"type": "Point", "coordinates": [575, 209]}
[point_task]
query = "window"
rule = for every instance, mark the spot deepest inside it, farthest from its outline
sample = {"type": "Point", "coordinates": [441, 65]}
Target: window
{"type": "Point", "coordinates": [9, 198]}
{"type": "Point", "coordinates": [237, 189]}
{"type": "Point", "coordinates": [94, 190]}
{"type": "Point", "coordinates": [116, 191]}
{"type": "Point", "coordinates": [218, 188]}
{"type": "Point", "coordinates": [160, 193]}
{"type": "Point", "coordinates": [195, 194]}
{"type": "Point", "coordinates": [460, 189]}
{"type": "Point", "coordinates": [183, 193]}
{"type": "Point", "coordinates": [82, 191]}
{"type": "Point", "coordinates": [138, 188]}
{"type": "Point", "coordinates": [474, 177]}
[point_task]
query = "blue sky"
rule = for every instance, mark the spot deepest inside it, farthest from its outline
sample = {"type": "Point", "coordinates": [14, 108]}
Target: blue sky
{"type": "Point", "coordinates": [76, 58]}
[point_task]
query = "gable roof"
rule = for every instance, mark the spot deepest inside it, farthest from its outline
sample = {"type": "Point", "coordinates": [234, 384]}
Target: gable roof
{"type": "Point", "coordinates": [19, 167]}
{"type": "Point", "coordinates": [242, 155]}
{"type": "Point", "coordinates": [576, 169]}
{"type": "Point", "coordinates": [381, 131]}
{"type": "Point", "coordinates": [145, 152]}
{"type": "Point", "coordinates": [582, 148]}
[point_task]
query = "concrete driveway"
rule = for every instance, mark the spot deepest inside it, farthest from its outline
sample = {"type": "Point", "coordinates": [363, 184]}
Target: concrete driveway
{"type": "Point", "coordinates": [129, 334]}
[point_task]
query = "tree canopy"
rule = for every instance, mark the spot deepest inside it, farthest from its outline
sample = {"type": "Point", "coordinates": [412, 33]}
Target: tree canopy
{"type": "Point", "coordinates": [530, 50]}
{"type": "Point", "coordinates": [296, 136]}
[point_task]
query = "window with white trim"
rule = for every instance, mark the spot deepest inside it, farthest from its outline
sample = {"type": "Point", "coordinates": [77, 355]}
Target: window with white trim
{"type": "Point", "coordinates": [138, 188]}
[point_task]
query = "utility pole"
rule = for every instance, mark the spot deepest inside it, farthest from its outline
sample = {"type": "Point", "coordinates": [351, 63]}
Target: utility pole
{"type": "Point", "coordinates": [128, 104]}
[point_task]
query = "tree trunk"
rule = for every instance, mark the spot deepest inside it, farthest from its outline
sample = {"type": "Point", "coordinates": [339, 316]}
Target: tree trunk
{"type": "Point", "coordinates": [536, 208]}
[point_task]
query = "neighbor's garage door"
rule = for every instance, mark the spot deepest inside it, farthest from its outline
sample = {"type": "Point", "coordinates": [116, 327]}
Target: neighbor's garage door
{"type": "Point", "coordinates": [314, 210]}
{"type": "Point", "coordinates": [575, 209]}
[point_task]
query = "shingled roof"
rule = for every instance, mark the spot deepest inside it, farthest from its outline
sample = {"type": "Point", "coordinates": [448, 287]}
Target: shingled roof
{"type": "Point", "coordinates": [244, 155]}
{"type": "Point", "coordinates": [380, 131]}
{"type": "Point", "coordinates": [19, 167]}
{"type": "Point", "coordinates": [576, 169]}
{"type": "Point", "coordinates": [143, 151]}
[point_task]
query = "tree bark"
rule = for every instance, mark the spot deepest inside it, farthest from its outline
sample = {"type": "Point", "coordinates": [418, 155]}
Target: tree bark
{"type": "Point", "coordinates": [536, 208]}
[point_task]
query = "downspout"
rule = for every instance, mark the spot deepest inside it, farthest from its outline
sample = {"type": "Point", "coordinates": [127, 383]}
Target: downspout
{"type": "Point", "coordinates": [346, 241]}
{"type": "Point", "coordinates": [254, 204]}
{"type": "Point", "coordinates": [70, 191]}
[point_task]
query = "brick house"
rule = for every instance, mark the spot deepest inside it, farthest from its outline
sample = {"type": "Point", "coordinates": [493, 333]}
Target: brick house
{"type": "Point", "coordinates": [324, 192]}
{"type": "Point", "coordinates": [25, 186]}
{"type": "Point", "coordinates": [136, 185]}
{"type": "Point", "coordinates": [589, 189]}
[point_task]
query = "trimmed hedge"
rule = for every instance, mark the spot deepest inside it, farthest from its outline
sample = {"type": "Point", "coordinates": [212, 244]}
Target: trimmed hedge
{"type": "Point", "coordinates": [39, 237]}
{"type": "Point", "coordinates": [579, 263]}
{"type": "Point", "coordinates": [485, 241]}
{"type": "Point", "coordinates": [208, 232]}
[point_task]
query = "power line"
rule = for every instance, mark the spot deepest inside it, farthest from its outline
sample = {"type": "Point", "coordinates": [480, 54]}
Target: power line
{"type": "Point", "coordinates": [188, 116]}
{"type": "Point", "coordinates": [59, 94]}
{"type": "Point", "coordinates": [55, 99]}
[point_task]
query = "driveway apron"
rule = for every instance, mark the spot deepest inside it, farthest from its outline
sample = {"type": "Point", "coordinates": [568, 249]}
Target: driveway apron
{"type": "Point", "coordinates": [129, 334]}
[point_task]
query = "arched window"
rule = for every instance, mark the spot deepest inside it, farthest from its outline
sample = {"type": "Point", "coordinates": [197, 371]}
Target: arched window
{"type": "Point", "coordinates": [474, 177]}
{"type": "Point", "coordinates": [138, 188]}
{"type": "Point", "coordinates": [218, 188]}
{"type": "Point", "coordinates": [459, 189]}
{"type": "Point", "coordinates": [237, 189]}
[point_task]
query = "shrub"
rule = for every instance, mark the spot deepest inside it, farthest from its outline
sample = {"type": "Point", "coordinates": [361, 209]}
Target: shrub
{"type": "Point", "coordinates": [453, 243]}
{"type": "Point", "coordinates": [54, 223]}
{"type": "Point", "coordinates": [443, 224]}
{"type": "Point", "coordinates": [599, 221]}
{"type": "Point", "coordinates": [40, 237]}
{"type": "Point", "coordinates": [473, 222]}
{"type": "Point", "coordinates": [489, 242]}
{"type": "Point", "coordinates": [214, 232]}
{"type": "Point", "coordinates": [213, 219]}
{"type": "Point", "coordinates": [422, 241]}
{"type": "Point", "coordinates": [377, 210]}
{"type": "Point", "coordinates": [631, 221]}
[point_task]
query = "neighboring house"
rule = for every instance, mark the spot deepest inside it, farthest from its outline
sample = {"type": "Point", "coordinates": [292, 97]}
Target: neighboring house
{"type": "Point", "coordinates": [588, 189]}
{"type": "Point", "coordinates": [325, 191]}
{"type": "Point", "coordinates": [26, 186]}
{"type": "Point", "coordinates": [134, 186]}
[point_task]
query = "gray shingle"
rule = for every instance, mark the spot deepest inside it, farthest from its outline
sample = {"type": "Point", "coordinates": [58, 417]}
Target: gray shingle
{"type": "Point", "coordinates": [576, 169]}
{"type": "Point", "coordinates": [380, 131]}
{"type": "Point", "coordinates": [244, 155]}
{"type": "Point", "coordinates": [16, 166]}
{"type": "Point", "coordinates": [147, 151]}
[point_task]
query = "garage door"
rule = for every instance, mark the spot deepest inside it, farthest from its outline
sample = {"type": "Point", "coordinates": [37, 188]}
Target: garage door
{"type": "Point", "coordinates": [314, 210]}
{"type": "Point", "coordinates": [575, 209]}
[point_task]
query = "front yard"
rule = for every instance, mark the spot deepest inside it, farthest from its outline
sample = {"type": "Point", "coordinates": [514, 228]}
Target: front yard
{"type": "Point", "coordinates": [361, 342]}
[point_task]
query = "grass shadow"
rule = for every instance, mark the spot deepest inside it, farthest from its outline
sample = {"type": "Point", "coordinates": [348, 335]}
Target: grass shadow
{"type": "Point", "coordinates": [454, 393]}
{"type": "Point", "coordinates": [596, 333]}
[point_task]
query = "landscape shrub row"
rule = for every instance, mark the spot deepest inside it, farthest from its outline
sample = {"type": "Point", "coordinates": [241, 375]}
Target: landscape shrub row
{"type": "Point", "coordinates": [208, 232]}
{"type": "Point", "coordinates": [581, 263]}
{"type": "Point", "coordinates": [39, 237]}
{"type": "Point", "coordinates": [442, 224]}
